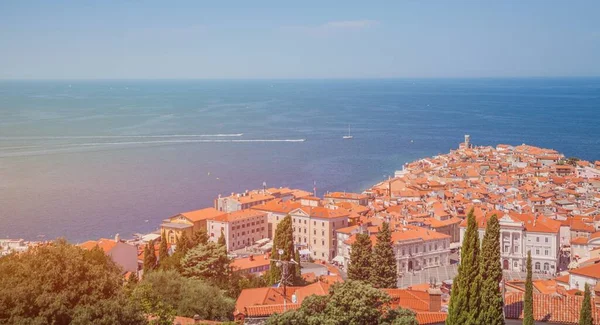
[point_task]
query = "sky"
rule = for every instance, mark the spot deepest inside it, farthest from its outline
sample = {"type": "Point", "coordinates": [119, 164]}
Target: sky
{"type": "Point", "coordinates": [298, 39]}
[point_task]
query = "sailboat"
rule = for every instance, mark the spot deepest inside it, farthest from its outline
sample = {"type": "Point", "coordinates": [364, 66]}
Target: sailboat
{"type": "Point", "coordinates": [348, 136]}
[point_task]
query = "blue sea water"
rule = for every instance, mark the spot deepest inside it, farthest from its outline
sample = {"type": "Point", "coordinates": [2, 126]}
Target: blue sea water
{"type": "Point", "coordinates": [89, 159]}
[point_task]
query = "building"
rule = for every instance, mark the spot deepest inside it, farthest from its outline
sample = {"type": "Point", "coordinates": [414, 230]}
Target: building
{"type": "Point", "coordinates": [415, 248]}
{"type": "Point", "coordinates": [241, 228]}
{"type": "Point", "coordinates": [583, 248]}
{"type": "Point", "coordinates": [256, 265]}
{"type": "Point", "coordinates": [588, 274]}
{"type": "Point", "coordinates": [188, 223]}
{"type": "Point", "coordinates": [547, 309]}
{"type": "Point", "coordinates": [314, 229]}
{"type": "Point", "coordinates": [276, 210]}
{"type": "Point", "coordinates": [243, 201]}
{"type": "Point", "coordinates": [338, 197]}
{"type": "Point", "coordinates": [520, 233]}
{"type": "Point", "coordinates": [124, 255]}
{"type": "Point", "coordinates": [8, 246]}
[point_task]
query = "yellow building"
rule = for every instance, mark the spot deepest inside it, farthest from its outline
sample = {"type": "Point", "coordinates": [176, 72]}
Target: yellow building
{"type": "Point", "coordinates": [188, 223]}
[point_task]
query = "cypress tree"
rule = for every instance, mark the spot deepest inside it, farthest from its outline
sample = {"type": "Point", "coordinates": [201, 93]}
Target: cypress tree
{"type": "Point", "coordinates": [585, 315]}
{"type": "Point", "coordinates": [383, 265]}
{"type": "Point", "coordinates": [149, 257]}
{"type": "Point", "coordinates": [183, 243]}
{"type": "Point", "coordinates": [163, 251]}
{"type": "Point", "coordinates": [464, 299]}
{"type": "Point", "coordinates": [222, 240]}
{"type": "Point", "coordinates": [284, 239]}
{"type": "Point", "coordinates": [491, 273]}
{"type": "Point", "coordinates": [298, 267]}
{"type": "Point", "coordinates": [528, 303]}
{"type": "Point", "coordinates": [200, 237]}
{"type": "Point", "coordinates": [360, 259]}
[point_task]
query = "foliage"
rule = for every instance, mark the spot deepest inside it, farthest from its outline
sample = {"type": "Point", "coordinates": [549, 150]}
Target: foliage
{"type": "Point", "coordinates": [222, 241]}
{"type": "Point", "coordinates": [172, 262]}
{"type": "Point", "coordinates": [183, 296]}
{"type": "Point", "coordinates": [199, 237]}
{"type": "Point", "coordinates": [60, 283]}
{"type": "Point", "coordinates": [207, 262]}
{"type": "Point", "coordinates": [182, 243]}
{"type": "Point", "coordinates": [528, 303]}
{"type": "Point", "coordinates": [383, 264]}
{"type": "Point", "coordinates": [491, 273]}
{"type": "Point", "coordinates": [360, 258]}
{"type": "Point", "coordinates": [149, 257]}
{"type": "Point", "coordinates": [465, 296]}
{"type": "Point", "coordinates": [585, 314]}
{"type": "Point", "coordinates": [163, 251]}
{"type": "Point", "coordinates": [239, 282]}
{"type": "Point", "coordinates": [351, 302]}
{"type": "Point", "coordinates": [284, 239]}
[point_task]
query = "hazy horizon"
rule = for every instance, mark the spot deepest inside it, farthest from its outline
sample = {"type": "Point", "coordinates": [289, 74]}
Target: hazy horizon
{"type": "Point", "coordinates": [73, 40]}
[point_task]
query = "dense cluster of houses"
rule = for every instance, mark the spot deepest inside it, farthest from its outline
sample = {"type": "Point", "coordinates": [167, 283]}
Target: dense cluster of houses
{"type": "Point", "coordinates": [546, 204]}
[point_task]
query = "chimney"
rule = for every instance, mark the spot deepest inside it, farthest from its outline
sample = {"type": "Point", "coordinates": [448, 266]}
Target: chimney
{"type": "Point", "coordinates": [196, 319]}
{"type": "Point", "coordinates": [252, 257]}
{"type": "Point", "coordinates": [435, 299]}
{"type": "Point", "coordinates": [117, 238]}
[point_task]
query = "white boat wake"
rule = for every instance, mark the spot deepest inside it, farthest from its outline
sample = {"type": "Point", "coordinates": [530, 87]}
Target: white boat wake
{"type": "Point", "coordinates": [120, 136]}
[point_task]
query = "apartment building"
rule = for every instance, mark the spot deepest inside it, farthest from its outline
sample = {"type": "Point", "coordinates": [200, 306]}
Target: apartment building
{"type": "Point", "coordinates": [188, 223]}
{"type": "Point", "coordinates": [242, 201]}
{"type": "Point", "coordinates": [276, 210]}
{"type": "Point", "coordinates": [314, 229]}
{"type": "Point", "coordinates": [338, 197]}
{"type": "Point", "coordinates": [241, 228]}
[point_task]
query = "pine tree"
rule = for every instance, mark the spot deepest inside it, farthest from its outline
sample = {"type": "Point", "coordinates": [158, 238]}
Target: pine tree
{"type": "Point", "coordinates": [149, 257]}
{"type": "Point", "coordinates": [222, 240]}
{"type": "Point", "coordinates": [585, 315]}
{"type": "Point", "coordinates": [163, 251]}
{"type": "Point", "coordinates": [298, 267]}
{"type": "Point", "coordinates": [491, 273]}
{"type": "Point", "coordinates": [528, 303]}
{"type": "Point", "coordinates": [464, 299]}
{"type": "Point", "coordinates": [360, 259]}
{"type": "Point", "coordinates": [383, 262]}
{"type": "Point", "coordinates": [284, 239]}
{"type": "Point", "coordinates": [199, 237]}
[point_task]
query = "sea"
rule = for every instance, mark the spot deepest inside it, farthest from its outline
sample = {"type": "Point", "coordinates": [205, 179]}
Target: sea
{"type": "Point", "coordinates": [90, 159]}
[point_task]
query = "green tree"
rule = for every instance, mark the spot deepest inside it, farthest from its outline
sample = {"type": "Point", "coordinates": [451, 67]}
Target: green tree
{"type": "Point", "coordinates": [350, 302]}
{"type": "Point", "coordinates": [184, 296]}
{"type": "Point", "coordinates": [465, 296]}
{"type": "Point", "coordinates": [298, 267]}
{"type": "Point", "coordinates": [491, 273]}
{"type": "Point", "coordinates": [183, 243]}
{"type": "Point", "coordinates": [585, 315]}
{"type": "Point", "coordinates": [528, 303]}
{"type": "Point", "coordinates": [163, 251]}
{"type": "Point", "coordinates": [222, 241]}
{"type": "Point", "coordinates": [149, 257]}
{"type": "Point", "coordinates": [200, 237]}
{"type": "Point", "coordinates": [360, 258]}
{"type": "Point", "coordinates": [59, 283]}
{"type": "Point", "coordinates": [383, 264]}
{"type": "Point", "coordinates": [207, 262]}
{"type": "Point", "coordinates": [239, 282]}
{"type": "Point", "coordinates": [284, 239]}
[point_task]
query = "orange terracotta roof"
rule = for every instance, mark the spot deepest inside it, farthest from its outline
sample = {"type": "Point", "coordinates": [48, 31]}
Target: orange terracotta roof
{"type": "Point", "coordinates": [346, 195]}
{"type": "Point", "coordinates": [250, 262]}
{"type": "Point", "coordinates": [579, 241]}
{"type": "Point", "coordinates": [105, 244]}
{"type": "Point", "coordinates": [239, 215]}
{"type": "Point", "coordinates": [554, 309]}
{"type": "Point", "coordinates": [324, 213]}
{"type": "Point", "coordinates": [202, 214]}
{"type": "Point", "coordinates": [591, 271]}
{"type": "Point", "coordinates": [563, 278]}
{"type": "Point", "coordinates": [429, 318]}
{"type": "Point", "coordinates": [277, 206]}
{"type": "Point", "coordinates": [268, 310]}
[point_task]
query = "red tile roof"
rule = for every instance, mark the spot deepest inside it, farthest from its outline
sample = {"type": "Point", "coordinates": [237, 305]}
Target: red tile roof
{"type": "Point", "coordinates": [592, 271]}
{"type": "Point", "coordinates": [268, 310]}
{"type": "Point", "coordinates": [239, 215]}
{"type": "Point", "coordinates": [548, 308]}
{"type": "Point", "coordinates": [430, 318]}
{"type": "Point", "coordinates": [202, 214]}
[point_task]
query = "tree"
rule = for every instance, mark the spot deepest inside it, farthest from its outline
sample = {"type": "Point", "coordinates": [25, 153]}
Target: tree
{"type": "Point", "coordinates": [149, 257]}
{"type": "Point", "coordinates": [207, 262]}
{"type": "Point", "coordinates": [298, 266]}
{"type": "Point", "coordinates": [585, 315]}
{"type": "Point", "coordinates": [182, 243]}
{"type": "Point", "coordinates": [351, 302]}
{"type": "Point", "coordinates": [360, 258]}
{"type": "Point", "coordinates": [60, 283]}
{"type": "Point", "coordinates": [528, 303]}
{"type": "Point", "coordinates": [163, 251]}
{"type": "Point", "coordinates": [184, 296]}
{"type": "Point", "coordinates": [464, 308]}
{"type": "Point", "coordinates": [284, 239]}
{"type": "Point", "coordinates": [491, 273]}
{"type": "Point", "coordinates": [222, 241]}
{"type": "Point", "coordinates": [383, 264]}
{"type": "Point", "coordinates": [200, 237]}
{"type": "Point", "coordinates": [239, 282]}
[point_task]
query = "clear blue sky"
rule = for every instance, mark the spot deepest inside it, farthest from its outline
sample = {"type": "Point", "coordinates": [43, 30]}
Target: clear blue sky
{"type": "Point", "coordinates": [298, 39]}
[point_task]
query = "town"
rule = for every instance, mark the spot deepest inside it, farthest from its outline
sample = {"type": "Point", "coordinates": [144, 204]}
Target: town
{"type": "Point", "coordinates": [546, 204]}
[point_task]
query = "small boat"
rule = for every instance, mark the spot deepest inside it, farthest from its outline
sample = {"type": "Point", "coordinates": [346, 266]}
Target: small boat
{"type": "Point", "coordinates": [348, 136]}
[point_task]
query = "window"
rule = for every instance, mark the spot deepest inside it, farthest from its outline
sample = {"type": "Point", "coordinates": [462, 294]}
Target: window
{"type": "Point", "coordinates": [305, 230]}
{"type": "Point", "coordinates": [314, 223]}
{"type": "Point", "coordinates": [403, 252]}
{"type": "Point", "coordinates": [437, 260]}
{"type": "Point", "coordinates": [546, 252]}
{"type": "Point", "coordinates": [436, 246]}
{"type": "Point", "coordinates": [429, 247]}
{"type": "Point", "coordinates": [322, 243]}
{"type": "Point", "coordinates": [304, 221]}
{"type": "Point", "coordinates": [322, 232]}
{"type": "Point", "coordinates": [537, 266]}
{"type": "Point", "coordinates": [537, 251]}
{"type": "Point", "coordinates": [314, 231]}
{"type": "Point", "coordinates": [537, 239]}
{"type": "Point", "coordinates": [323, 223]}
{"type": "Point", "coordinates": [314, 241]}
{"type": "Point", "coordinates": [546, 267]}
{"type": "Point", "coordinates": [546, 239]}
